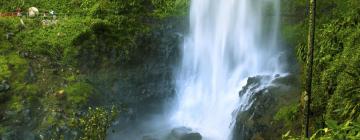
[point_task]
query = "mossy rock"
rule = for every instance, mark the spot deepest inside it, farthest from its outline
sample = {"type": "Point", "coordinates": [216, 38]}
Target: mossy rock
{"type": "Point", "coordinates": [78, 94]}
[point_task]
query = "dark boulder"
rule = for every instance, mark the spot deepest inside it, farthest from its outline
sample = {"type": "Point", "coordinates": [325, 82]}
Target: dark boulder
{"type": "Point", "coordinates": [149, 138]}
{"type": "Point", "coordinates": [267, 95]}
{"type": "Point", "coordinates": [184, 133]}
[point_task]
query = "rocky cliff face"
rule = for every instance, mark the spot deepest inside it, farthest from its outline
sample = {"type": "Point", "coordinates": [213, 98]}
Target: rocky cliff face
{"type": "Point", "coordinates": [41, 94]}
{"type": "Point", "coordinates": [144, 85]}
{"type": "Point", "coordinates": [257, 122]}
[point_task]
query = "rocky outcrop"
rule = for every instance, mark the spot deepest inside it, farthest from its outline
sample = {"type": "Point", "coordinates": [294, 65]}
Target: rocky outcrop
{"type": "Point", "coordinates": [184, 133]}
{"type": "Point", "coordinates": [267, 95]}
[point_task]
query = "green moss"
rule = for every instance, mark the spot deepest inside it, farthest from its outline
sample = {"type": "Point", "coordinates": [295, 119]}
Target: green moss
{"type": "Point", "coordinates": [293, 33]}
{"type": "Point", "coordinates": [50, 120]}
{"type": "Point", "coordinates": [8, 24]}
{"type": "Point", "coordinates": [78, 94]}
{"type": "Point", "coordinates": [287, 114]}
{"type": "Point", "coordinates": [166, 8]}
{"type": "Point", "coordinates": [16, 104]}
{"type": "Point", "coordinates": [31, 90]}
{"type": "Point", "coordinates": [4, 69]}
{"type": "Point", "coordinates": [15, 59]}
{"type": "Point", "coordinates": [71, 78]}
{"type": "Point", "coordinates": [17, 64]}
{"type": "Point", "coordinates": [2, 130]}
{"type": "Point", "coordinates": [53, 41]}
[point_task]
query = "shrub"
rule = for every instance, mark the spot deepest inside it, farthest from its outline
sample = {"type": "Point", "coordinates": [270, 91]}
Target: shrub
{"type": "Point", "coordinates": [96, 122]}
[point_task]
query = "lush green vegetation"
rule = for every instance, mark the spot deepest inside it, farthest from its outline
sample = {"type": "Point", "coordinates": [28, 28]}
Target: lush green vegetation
{"type": "Point", "coordinates": [48, 67]}
{"type": "Point", "coordinates": [95, 124]}
{"type": "Point", "coordinates": [336, 92]}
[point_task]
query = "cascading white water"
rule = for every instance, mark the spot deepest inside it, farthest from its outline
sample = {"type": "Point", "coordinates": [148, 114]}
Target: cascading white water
{"type": "Point", "coordinates": [229, 41]}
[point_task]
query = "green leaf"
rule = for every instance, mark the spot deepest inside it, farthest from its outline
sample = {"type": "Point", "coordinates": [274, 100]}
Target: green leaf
{"type": "Point", "coordinates": [332, 124]}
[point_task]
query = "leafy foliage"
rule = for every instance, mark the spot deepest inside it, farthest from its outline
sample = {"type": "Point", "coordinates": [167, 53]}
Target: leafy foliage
{"type": "Point", "coordinates": [336, 61]}
{"type": "Point", "coordinates": [95, 123]}
{"type": "Point", "coordinates": [4, 69]}
{"type": "Point", "coordinates": [287, 114]}
{"type": "Point", "coordinates": [346, 131]}
{"type": "Point", "coordinates": [336, 66]}
{"type": "Point", "coordinates": [166, 8]}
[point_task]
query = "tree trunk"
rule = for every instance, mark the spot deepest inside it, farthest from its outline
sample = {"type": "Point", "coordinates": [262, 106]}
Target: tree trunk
{"type": "Point", "coordinates": [309, 70]}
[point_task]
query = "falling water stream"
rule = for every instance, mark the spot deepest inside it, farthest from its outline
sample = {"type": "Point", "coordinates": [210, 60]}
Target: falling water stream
{"type": "Point", "coordinates": [229, 41]}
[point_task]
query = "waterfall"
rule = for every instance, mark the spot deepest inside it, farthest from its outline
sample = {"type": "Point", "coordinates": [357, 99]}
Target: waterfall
{"type": "Point", "coordinates": [229, 41]}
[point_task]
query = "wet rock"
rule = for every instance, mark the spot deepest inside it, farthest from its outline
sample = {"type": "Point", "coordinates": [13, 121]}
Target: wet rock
{"type": "Point", "coordinates": [29, 136]}
{"type": "Point", "coordinates": [4, 86]}
{"type": "Point", "coordinates": [184, 133]}
{"type": "Point", "coordinates": [149, 138]}
{"type": "Point", "coordinates": [18, 135]}
{"type": "Point", "coordinates": [192, 136]}
{"type": "Point", "coordinates": [30, 75]}
{"type": "Point", "coordinates": [267, 95]}
{"type": "Point", "coordinates": [26, 54]}
{"type": "Point", "coordinates": [8, 135]}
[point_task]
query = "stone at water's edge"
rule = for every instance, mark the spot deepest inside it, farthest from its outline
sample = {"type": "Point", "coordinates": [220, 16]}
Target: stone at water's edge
{"type": "Point", "coordinates": [178, 133]}
{"type": "Point", "coordinates": [258, 122]}
{"type": "Point", "coordinates": [184, 133]}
